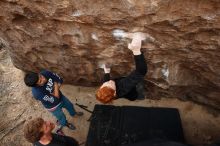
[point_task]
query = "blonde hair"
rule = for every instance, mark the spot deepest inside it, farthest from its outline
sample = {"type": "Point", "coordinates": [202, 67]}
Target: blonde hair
{"type": "Point", "coordinates": [32, 130]}
{"type": "Point", "coordinates": [105, 94]}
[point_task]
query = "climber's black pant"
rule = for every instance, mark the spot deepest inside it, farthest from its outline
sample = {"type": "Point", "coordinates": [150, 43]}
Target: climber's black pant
{"type": "Point", "coordinates": [126, 86]}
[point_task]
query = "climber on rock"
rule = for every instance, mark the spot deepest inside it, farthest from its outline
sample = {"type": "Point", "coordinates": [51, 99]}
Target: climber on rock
{"type": "Point", "coordinates": [46, 88]}
{"type": "Point", "coordinates": [39, 132]}
{"type": "Point", "coordinates": [130, 87]}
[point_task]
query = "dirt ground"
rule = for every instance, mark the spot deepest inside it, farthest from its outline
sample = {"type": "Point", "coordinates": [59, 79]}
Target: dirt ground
{"type": "Point", "coordinates": [200, 124]}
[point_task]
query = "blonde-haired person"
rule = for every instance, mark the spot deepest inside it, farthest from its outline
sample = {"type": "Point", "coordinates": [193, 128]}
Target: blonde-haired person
{"type": "Point", "coordinates": [129, 87]}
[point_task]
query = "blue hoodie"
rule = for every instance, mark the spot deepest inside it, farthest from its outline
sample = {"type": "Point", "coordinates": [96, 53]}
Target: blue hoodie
{"type": "Point", "coordinates": [44, 93]}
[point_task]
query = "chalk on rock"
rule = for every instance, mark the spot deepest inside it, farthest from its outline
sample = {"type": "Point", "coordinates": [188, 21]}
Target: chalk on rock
{"type": "Point", "coordinates": [76, 13]}
{"type": "Point", "coordinates": [102, 66]}
{"type": "Point", "coordinates": [94, 36]}
{"type": "Point", "coordinates": [118, 33]}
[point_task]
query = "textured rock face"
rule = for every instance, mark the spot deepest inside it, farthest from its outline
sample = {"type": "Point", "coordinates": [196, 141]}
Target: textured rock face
{"type": "Point", "coordinates": [74, 38]}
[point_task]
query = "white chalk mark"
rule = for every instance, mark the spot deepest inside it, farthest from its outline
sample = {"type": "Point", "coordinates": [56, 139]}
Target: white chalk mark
{"type": "Point", "coordinates": [209, 17]}
{"type": "Point", "coordinates": [94, 37]}
{"type": "Point", "coordinates": [165, 72]}
{"type": "Point", "coordinates": [102, 66]}
{"type": "Point", "coordinates": [118, 33]}
{"type": "Point", "coordinates": [76, 13]}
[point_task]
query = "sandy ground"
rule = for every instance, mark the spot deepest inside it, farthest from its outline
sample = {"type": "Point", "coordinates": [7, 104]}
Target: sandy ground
{"type": "Point", "coordinates": [200, 124]}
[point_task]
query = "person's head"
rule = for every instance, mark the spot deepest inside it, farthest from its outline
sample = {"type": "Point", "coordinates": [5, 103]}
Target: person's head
{"type": "Point", "coordinates": [37, 128]}
{"type": "Point", "coordinates": [107, 92]}
{"type": "Point", "coordinates": [34, 79]}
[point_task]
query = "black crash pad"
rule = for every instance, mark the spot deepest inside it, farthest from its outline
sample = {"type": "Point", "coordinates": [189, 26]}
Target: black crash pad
{"type": "Point", "coordinates": [118, 126]}
{"type": "Point", "coordinates": [157, 142]}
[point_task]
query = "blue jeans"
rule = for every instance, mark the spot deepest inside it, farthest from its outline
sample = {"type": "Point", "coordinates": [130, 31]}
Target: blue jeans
{"type": "Point", "coordinates": [58, 112]}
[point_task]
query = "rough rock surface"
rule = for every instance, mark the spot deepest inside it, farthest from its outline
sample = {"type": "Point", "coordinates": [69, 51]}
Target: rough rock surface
{"type": "Point", "coordinates": [73, 38]}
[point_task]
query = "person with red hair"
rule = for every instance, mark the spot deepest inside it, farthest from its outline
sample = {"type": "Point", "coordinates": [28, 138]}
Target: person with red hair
{"type": "Point", "coordinates": [130, 87]}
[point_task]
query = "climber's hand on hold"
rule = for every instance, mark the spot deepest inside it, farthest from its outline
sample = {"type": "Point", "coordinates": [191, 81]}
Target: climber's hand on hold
{"type": "Point", "coordinates": [106, 68]}
{"type": "Point", "coordinates": [135, 45]}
